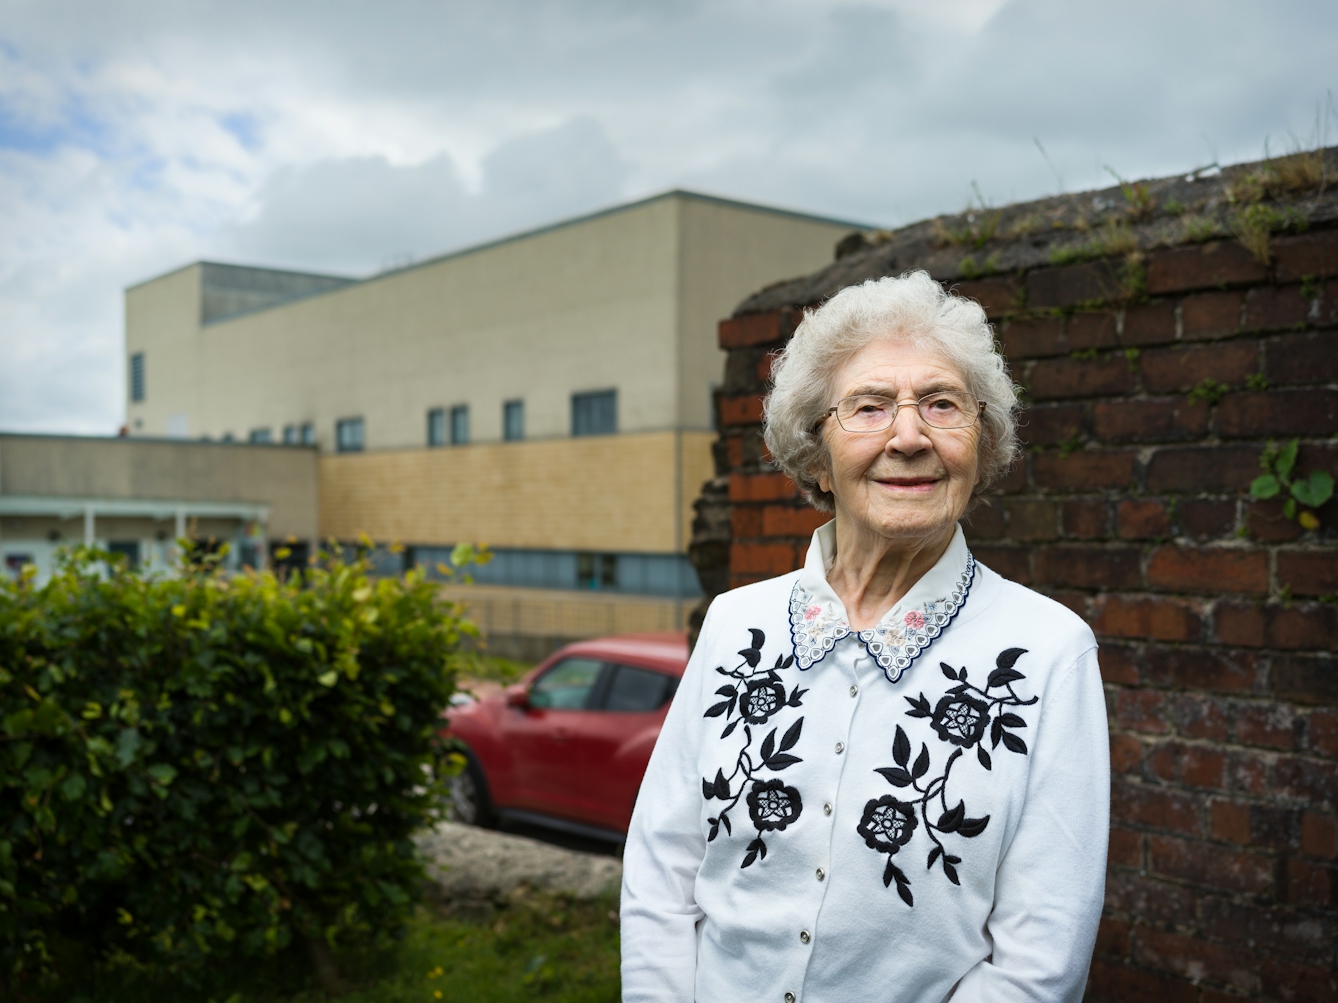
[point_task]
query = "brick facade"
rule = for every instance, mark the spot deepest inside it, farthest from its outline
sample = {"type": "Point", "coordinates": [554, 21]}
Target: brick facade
{"type": "Point", "coordinates": [1147, 413]}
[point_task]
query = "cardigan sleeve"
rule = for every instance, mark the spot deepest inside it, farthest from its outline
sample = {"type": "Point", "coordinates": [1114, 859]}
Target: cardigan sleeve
{"type": "Point", "coordinates": [663, 853]}
{"type": "Point", "coordinates": [1051, 880]}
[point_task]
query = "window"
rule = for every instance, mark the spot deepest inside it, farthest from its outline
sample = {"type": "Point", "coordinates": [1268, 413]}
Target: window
{"type": "Point", "coordinates": [290, 435]}
{"type": "Point", "coordinates": [568, 685]}
{"type": "Point", "coordinates": [638, 691]}
{"type": "Point", "coordinates": [594, 413]}
{"type": "Point", "coordinates": [308, 433]}
{"type": "Point", "coordinates": [349, 435]}
{"type": "Point", "coordinates": [137, 377]}
{"type": "Point", "coordinates": [129, 549]}
{"type": "Point", "coordinates": [436, 427]}
{"type": "Point", "coordinates": [597, 571]}
{"type": "Point", "coordinates": [260, 435]}
{"type": "Point", "coordinates": [513, 420]}
{"type": "Point", "coordinates": [459, 424]}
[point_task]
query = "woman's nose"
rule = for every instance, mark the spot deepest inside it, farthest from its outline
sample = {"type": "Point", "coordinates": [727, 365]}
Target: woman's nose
{"type": "Point", "coordinates": [908, 434]}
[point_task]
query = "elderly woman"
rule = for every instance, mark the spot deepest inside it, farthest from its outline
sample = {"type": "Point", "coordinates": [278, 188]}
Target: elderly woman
{"type": "Point", "coordinates": [885, 775]}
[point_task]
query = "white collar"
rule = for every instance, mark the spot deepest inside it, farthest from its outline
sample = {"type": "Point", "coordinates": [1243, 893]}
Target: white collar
{"type": "Point", "coordinates": [818, 618]}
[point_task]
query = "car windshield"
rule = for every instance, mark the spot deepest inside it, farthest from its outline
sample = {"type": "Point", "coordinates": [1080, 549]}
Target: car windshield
{"type": "Point", "coordinates": [637, 690]}
{"type": "Point", "coordinates": [567, 685]}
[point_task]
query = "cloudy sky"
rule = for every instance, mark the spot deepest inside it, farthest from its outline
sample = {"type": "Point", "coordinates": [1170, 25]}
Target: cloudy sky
{"type": "Point", "coordinates": [350, 136]}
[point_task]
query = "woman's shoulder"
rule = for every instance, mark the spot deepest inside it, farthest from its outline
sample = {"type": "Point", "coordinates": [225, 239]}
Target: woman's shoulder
{"type": "Point", "coordinates": [758, 600]}
{"type": "Point", "coordinates": [1023, 606]}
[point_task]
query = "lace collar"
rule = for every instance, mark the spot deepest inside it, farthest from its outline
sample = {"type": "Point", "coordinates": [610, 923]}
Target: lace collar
{"type": "Point", "coordinates": [818, 619]}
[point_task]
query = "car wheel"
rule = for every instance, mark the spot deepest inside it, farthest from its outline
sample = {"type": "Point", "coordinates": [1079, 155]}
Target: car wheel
{"type": "Point", "coordinates": [469, 796]}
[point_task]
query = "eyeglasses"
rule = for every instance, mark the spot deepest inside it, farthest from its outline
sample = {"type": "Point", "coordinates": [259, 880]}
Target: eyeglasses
{"type": "Point", "coordinates": [872, 413]}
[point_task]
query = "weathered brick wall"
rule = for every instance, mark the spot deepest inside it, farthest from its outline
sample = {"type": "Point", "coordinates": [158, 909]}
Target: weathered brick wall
{"type": "Point", "coordinates": [1215, 613]}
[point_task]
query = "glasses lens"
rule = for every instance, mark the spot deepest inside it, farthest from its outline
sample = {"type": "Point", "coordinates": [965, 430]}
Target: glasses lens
{"type": "Point", "coordinates": [949, 410]}
{"type": "Point", "coordinates": [865, 414]}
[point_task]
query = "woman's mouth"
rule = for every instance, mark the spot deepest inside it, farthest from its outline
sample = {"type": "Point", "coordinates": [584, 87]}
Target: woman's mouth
{"type": "Point", "coordinates": [909, 485]}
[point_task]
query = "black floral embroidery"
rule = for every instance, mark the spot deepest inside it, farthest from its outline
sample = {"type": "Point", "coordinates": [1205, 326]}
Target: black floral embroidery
{"type": "Point", "coordinates": [756, 696]}
{"type": "Point", "coordinates": [960, 718]}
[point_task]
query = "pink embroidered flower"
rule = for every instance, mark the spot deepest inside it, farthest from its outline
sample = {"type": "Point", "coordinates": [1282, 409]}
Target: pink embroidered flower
{"type": "Point", "coordinates": [915, 619]}
{"type": "Point", "coordinates": [812, 612]}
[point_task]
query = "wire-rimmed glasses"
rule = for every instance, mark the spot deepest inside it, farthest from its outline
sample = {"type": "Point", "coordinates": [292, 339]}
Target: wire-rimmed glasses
{"type": "Point", "coordinates": [875, 413]}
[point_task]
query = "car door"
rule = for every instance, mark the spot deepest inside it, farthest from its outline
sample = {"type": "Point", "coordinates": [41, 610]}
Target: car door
{"type": "Point", "coordinates": [540, 735]}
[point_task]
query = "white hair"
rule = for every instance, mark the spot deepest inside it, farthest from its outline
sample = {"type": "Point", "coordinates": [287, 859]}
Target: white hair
{"type": "Point", "coordinates": [912, 307]}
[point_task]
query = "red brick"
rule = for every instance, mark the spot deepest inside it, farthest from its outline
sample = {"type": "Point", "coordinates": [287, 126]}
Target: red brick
{"type": "Point", "coordinates": [1087, 469]}
{"type": "Point", "coordinates": [1119, 664]}
{"type": "Point", "coordinates": [1209, 669]}
{"type": "Point", "coordinates": [1088, 567]}
{"type": "Point", "coordinates": [1322, 732]}
{"type": "Point", "coordinates": [1306, 779]}
{"type": "Point", "coordinates": [1058, 378]}
{"type": "Point", "coordinates": [1319, 835]}
{"type": "Point", "coordinates": [1279, 412]}
{"type": "Point", "coordinates": [1147, 618]}
{"type": "Point", "coordinates": [1230, 821]}
{"type": "Point", "coordinates": [997, 295]}
{"type": "Point", "coordinates": [1207, 518]}
{"type": "Point", "coordinates": [1267, 522]}
{"type": "Point", "coordinates": [1274, 307]}
{"type": "Point", "coordinates": [1209, 569]}
{"type": "Point", "coordinates": [1170, 370]}
{"type": "Point", "coordinates": [1306, 255]}
{"type": "Point", "coordinates": [760, 487]}
{"type": "Point", "coordinates": [1014, 480]}
{"type": "Point", "coordinates": [1050, 424]}
{"type": "Point", "coordinates": [1126, 847]}
{"type": "Point", "coordinates": [1309, 884]}
{"type": "Point", "coordinates": [1309, 572]}
{"type": "Point", "coordinates": [1296, 983]}
{"type": "Point", "coordinates": [746, 410]}
{"type": "Point", "coordinates": [1032, 519]}
{"type": "Point", "coordinates": [1305, 680]}
{"type": "Point", "coordinates": [1140, 710]}
{"type": "Point", "coordinates": [781, 520]}
{"type": "Point", "coordinates": [1156, 807]}
{"type": "Point", "coordinates": [1085, 331]}
{"type": "Point", "coordinates": [761, 558]}
{"type": "Point", "coordinates": [1167, 419]}
{"type": "Point", "coordinates": [1241, 623]}
{"type": "Point", "coordinates": [762, 371]}
{"type": "Point", "coordinates": [1011, 562]}
{"type": "Point", "coordinates": [1268, 930]}
{"type": "Point", "coordinates": [1195, 959]}
{"type": "Point", "coordinates": [734, 451]}
{"type": "Point", "coordinates": [1215, 866]}
{"type": "Point", "coordinates": [1149, 324]}
{"type": "Point", "coordinates": [1203, 266]}
{"type": "Point", "coordinates": [1033, 337]}
{"type": "Point", "coordinates": [1112, 939]}
{"type": "Point", "coordinates": [745, 522]}
{"type": "Point", "coordinates": [1210, 315]}
{"type": "Point", "coordinates": [758, 328]}
{"type": "Point", "coordinates": [1196, 716]}
{"type": "Point", "coordinates": [1126, 754]}
{"type": "Point", "coordinates": [1115, 982]}
{"type": "Point", "coordinates": [1269, 726]}
{"type": "Point", "coordinates": [984, 520]}
{"type": "Point", "coordinates": [1149, 899]}
{"type": "Point", "coordinates": [1203, 468]}
{"type": "Point", "coordinates": [1070, 285]}
{"type": "Point", "coordinates": [1085, 518]}
{"type": "Point", "coordinates": [1247, 773]}
{"type": "Point", "coordinates": [1191, 765]}
{"type": "Point", "coordinates": [1142, 520]}
{"type": "Point", "coordinates": [1302, 358]}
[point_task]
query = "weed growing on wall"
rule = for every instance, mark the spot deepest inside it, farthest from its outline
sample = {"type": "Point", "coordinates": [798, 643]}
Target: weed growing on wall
{"type": "Point", "coordinates": [1279, 478]}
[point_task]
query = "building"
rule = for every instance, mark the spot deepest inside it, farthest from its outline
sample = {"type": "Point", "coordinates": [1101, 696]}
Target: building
{"type": "Point", "coordinates": [550, 394]}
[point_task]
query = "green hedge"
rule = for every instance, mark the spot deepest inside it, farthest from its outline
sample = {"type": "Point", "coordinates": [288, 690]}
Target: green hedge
{"type": "Point", "coordinates": [205, 768]}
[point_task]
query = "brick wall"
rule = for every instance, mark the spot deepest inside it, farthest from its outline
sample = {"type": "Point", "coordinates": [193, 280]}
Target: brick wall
{"type": "Point", "coordinates": [1216, 614]}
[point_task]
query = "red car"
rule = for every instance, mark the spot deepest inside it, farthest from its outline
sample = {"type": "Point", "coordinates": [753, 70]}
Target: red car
{"type": "Point", "coordinates": [566, 747]}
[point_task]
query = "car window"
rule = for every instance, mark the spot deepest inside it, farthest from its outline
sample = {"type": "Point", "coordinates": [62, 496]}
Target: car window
{"type": "Point", "coordinates": [638, 691]}
{"type": "Point", "coordinates": [567, 685]}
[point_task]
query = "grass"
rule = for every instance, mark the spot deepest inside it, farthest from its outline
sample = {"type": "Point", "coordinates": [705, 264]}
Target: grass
{"type": "Point", "coordinates": [537, 947]}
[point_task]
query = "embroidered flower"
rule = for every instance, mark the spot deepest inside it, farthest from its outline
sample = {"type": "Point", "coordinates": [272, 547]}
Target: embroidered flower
{"type": "Point", "coordinates": [772, 805]}
{"type": "Point", "coordinates": [811, 612]}
{"type": "Point", "coordinates": [961, 719]}
{"type": "Point", "coordinates": [761, 700]}
{"type": "Point", "coordinates": [887, 824]}
{"type": "Point", "coordinates": [915, 619]}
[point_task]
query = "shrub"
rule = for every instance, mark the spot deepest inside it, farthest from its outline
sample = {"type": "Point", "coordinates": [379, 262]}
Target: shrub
{"type": "Point", "coordinates": [203, 768]}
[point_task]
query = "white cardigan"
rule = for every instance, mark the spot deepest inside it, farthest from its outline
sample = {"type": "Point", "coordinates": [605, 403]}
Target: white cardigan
{"type": "Point", "coordinates": [833, 816]}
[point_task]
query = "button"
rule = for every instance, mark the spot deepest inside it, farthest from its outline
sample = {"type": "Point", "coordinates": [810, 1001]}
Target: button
{"type": "Point", "coordinates": [804, 938]}
{"type": "Point", "coordinates": [854, 691]}
{"type": "Point", "coordinates": [789, 998]}
{"type": "Point", "coordinates": [821, 874]}
{"type": "Point", "coordinates": [827, 808]}
{"type": "Point", "coordinates": [840, 747]}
